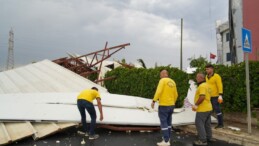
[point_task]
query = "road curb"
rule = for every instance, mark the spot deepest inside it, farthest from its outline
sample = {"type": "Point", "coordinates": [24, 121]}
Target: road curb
{"type": "Point", "coordinates": [227, 135]}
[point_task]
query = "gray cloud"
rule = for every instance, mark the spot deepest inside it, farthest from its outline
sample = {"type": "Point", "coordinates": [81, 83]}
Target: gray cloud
{"type": "Point", "coordinates": [48, 29]}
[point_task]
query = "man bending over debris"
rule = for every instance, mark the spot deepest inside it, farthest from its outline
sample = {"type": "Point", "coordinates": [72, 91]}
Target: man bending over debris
{"type": "Point", "coordinates": [85, 102]}
{"type": "Point", "coordinates": [203, 110]}
{"type": "Point", "coordinates": [166, 93]}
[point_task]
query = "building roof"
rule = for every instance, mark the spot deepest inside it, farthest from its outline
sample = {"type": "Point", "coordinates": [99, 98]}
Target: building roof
{"type": "Point", "coordinates": [43, 76]}
{"type": "Point", "coordinates": [223, 26]}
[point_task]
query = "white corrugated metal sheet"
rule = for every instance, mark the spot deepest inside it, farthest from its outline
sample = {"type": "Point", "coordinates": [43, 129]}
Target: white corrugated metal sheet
{"type": "Point", "coordinates": [40, 77]}
{"type": "Point", "coordinates": [52, 106]}
{"type": "Point", "coordinates": [4, 135]}
{"type": "Point", "coordinates": [43, 76]}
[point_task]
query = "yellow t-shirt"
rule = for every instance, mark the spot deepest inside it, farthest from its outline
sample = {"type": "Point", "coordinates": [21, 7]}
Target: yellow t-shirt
{"type": "Point", "coordinates": [205, 106]}
{"type": "Point", "coordinates": [215, 85]}
{"type": "Point", "coordinates": [89, 95]}
{"type": "Point", "coordinates": [166, 92]}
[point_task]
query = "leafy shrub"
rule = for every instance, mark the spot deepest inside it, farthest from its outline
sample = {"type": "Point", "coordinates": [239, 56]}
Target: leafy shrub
{"type": "Point", "coordinates": [143, 82]}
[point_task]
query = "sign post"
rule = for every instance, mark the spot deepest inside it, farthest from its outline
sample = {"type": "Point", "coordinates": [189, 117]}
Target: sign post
{"type": "Point", "coordinates": [247, 48]}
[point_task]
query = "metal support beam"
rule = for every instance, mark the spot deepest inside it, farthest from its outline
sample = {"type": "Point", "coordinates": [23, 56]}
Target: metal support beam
{"type": "Point", "coordinates": [90, 63]}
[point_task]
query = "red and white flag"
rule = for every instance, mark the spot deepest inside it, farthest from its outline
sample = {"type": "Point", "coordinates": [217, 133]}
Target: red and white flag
{"type": "Point", "coordinates": [212, 56]}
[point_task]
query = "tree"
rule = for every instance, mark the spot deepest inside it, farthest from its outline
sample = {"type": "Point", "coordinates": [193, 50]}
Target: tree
{"type": "Point", "coordinates": [123, 60]}
{"type": "Point", "coordinates": [199, 62]}
{"type": "Point", "coordinates": [142, 63]}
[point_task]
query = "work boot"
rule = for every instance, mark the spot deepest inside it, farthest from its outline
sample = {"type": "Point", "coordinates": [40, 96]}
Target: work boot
{"type": "Point", "coordinates": [199, 142]}
{"type": "Point", "coordinates": [219, 126]}
{"type": "Point", "coordinates": [95, 136]}
{"type": "Point", "coordinates": [211, 140]}
{"type": "Point", "coordinates": [83, 133]}
{"type": "Point", "coordinates": [163, 143]}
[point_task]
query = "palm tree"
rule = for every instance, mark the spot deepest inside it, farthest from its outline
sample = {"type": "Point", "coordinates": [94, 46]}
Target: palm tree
{"type": "Point", "coordinates": [142, 63]}
{"type": "Point", "coordinates": [199, 62]}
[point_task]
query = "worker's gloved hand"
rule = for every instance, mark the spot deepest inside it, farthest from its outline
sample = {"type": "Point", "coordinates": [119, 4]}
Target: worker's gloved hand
{"type": "Point", "coordinates": [194, 107]}
{"type": "Point", "coordinates": [220, 99]}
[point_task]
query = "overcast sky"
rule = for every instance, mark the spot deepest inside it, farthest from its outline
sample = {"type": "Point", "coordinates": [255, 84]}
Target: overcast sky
{"type": "Point", "coordinates": [47, 29]}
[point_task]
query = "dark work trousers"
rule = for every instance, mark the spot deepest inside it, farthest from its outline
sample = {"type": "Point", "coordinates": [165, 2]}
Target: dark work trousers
{"type": "Point", "coordinates": [86, 105]}
{"type": "Point", "coordinates": [203, 125]}
{"type": "Point", "coordinates": [216, 108]}
{"type": "Point", "coordinates": [165, 116]}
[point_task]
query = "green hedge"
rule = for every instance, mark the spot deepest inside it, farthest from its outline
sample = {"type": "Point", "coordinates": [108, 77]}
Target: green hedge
{"type": "Point", "coordinates": [234, 86]}
{"type": "Point", "coordinates": [143, 82]}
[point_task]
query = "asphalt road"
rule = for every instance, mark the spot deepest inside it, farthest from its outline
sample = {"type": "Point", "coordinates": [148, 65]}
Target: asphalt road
{"type": "Point", "coordinates": [113, 138]}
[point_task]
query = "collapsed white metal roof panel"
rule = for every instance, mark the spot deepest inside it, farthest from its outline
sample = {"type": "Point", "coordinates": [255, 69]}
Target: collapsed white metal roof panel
{"type": "Point", "coordinates": [34, 109]}
{"type": "Point", "coordinates": [43, 76]}
{"type": "Point", "coordinates": [61, 107]}
{"type": "Point", "coordinates": [4, 136]}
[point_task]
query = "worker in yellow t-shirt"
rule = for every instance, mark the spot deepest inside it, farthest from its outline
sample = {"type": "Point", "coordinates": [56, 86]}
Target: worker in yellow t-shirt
{"type": "Point", "coordinates": [85, 102]}
{"type": "Point", "coordinates": [203, 110]}
{"type": "Point", "coordinates": [166, 94]}
{"type": "Point", "coordinates": [215, 83]}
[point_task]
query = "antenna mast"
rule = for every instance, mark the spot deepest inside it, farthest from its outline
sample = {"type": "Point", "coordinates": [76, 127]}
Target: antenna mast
{"type": "Point", "coordinates": [10, 59]}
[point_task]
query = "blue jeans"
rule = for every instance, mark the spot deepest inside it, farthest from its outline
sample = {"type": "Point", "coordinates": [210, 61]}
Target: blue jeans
{"type": "Point", "coordinates": [165, 116]}
{"type": "Point", "coordinates": [86, 105]}
{"type": "Point", "coordinates": [216, 108]}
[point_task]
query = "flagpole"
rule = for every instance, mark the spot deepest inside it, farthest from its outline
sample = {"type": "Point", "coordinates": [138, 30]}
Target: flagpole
{"type": "Point", "coordinates": [181, 47]}
{"type": "Point", "coordinates": [210, 57]}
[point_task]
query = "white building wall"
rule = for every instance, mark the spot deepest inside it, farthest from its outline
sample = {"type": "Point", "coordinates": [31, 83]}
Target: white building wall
{"type": "Point", "coordinates": [223, 42]}
{"type": "Point", "coordinates": [226, 48]}
{"type": "Point", "coordinates": [219, 43]}
{"type": "Point", "coordinates": [223, 28]}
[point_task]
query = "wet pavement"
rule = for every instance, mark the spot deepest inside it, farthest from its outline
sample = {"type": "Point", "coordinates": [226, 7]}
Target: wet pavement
{"type": "Point", "coordinates": [70, 137]}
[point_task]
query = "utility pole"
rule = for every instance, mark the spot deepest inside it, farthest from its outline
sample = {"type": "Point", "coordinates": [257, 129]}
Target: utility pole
{"type": "Point", "coordinates": [10, 59]}
{"type": "Point", "coordinates": [181, 49]}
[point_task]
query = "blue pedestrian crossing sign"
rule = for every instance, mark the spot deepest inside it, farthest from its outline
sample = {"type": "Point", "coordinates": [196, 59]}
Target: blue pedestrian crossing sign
{"type": "Point", "coordinates": [246, 40]}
